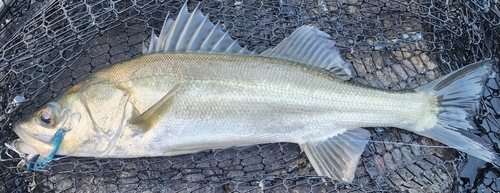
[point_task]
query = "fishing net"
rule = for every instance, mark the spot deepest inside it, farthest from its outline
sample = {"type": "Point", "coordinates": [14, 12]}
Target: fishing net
{"type": "Point", "coordinates": [48, 46]}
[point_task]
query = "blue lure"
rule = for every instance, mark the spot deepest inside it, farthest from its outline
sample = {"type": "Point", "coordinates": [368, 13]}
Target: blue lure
{"type": "Point", "coordinates": [39, 162]}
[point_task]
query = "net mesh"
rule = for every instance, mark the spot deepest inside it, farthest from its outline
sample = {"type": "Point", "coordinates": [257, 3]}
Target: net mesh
{"type": "Point", "coordinates": [48, 46]}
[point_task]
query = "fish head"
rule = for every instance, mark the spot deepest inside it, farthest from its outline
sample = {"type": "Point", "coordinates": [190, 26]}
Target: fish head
{"type": "Point", "coordinates": [92, 114]}
{"type": "Point", "coordinates": [37, 131]}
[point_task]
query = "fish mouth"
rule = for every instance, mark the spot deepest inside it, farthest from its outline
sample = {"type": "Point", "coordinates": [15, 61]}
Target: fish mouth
{"type": "Point", "coordinates": [32, 143]}
{"type": "Point", "coordinates": [44, 138]}
{"type": "Point", "coordinates": [26, 135]}
{"type": "Point", "coordinates": [24, 147]}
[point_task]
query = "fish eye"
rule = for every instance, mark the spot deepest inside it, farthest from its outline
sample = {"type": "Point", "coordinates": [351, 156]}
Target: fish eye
{"type": "Point", "coordinates": [47, 116]}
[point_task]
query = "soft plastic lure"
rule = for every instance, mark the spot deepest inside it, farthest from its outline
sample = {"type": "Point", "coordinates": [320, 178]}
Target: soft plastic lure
{"type": "Point", "coordinates": [38, 162]}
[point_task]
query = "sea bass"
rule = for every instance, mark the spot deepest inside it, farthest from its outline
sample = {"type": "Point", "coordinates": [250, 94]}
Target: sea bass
{"type": "Point", "coordinates": [195, 88]}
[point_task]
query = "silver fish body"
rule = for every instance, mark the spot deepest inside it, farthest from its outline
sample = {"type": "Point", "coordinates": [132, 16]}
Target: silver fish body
{"type": "Point", "coordinates": [225, 101]}
{"type": "Point", "coordinates": [196, 88]}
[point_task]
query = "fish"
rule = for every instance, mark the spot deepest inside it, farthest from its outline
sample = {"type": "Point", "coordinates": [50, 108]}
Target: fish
{"type": "Point", "coordinates": [195, 88]}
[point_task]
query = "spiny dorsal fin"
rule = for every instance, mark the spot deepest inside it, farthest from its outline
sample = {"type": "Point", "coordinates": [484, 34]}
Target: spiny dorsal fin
{"type": "Point", "coordinates": [309, 45]}
{"type": "Point", "coordinates": [192, 32]}
{"type": "Point", "coordinates": [338, 156]}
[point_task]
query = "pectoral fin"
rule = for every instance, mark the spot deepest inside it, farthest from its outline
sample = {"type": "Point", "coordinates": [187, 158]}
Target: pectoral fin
{"type": "Point", "coordinates": [338, 156]}
{"type": "Point", "coordinates": [154, 114]}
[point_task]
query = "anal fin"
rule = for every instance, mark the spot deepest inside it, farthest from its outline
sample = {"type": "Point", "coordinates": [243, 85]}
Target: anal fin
{"type": "Point", "coordinates": [155, 113]}
{"type": "Point", "coordinates": [338, 156]}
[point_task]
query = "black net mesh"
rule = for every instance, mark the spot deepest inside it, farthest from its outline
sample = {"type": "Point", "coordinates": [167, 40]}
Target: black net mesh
{"type": "Point", "coordinates": [48, 46]}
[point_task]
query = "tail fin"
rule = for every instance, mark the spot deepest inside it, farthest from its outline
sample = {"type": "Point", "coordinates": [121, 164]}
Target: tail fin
{"type": "Point", "coordinates": [458, 99]}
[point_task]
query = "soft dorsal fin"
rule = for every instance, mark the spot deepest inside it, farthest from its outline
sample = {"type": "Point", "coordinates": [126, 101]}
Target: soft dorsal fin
{"type": "Point", "coordinates": [192, 32]}
{"type": "Point", "coordinates": [309, 45]}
